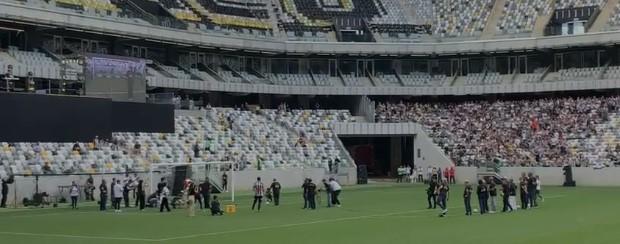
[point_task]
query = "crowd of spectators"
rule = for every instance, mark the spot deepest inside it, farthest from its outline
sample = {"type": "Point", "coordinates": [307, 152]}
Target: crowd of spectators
{"type": "Point", "coordinates": [512, 133]}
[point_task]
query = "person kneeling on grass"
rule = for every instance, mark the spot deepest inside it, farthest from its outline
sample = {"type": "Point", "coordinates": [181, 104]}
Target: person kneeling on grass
{"type": "Point", "coordinates": [215, 207]}
{"type": "Point", "coordinates": [268, 196]}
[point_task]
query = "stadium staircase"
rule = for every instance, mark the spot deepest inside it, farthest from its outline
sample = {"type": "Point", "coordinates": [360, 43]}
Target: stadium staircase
{"type": "Point", "coordinates": [216, 184]}
{"type": "Point", "coordinates": [496, 14]}
{"type": "Point", "coordinates": [542, 21]}
{"type": "Point", "coordinates": [489, 173]}
{"type": "Point", "coordinates": [602, 19]}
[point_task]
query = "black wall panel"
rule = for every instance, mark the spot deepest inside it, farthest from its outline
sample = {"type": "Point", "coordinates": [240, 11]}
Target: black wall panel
{"type": "Point", "coordinates": [142, 117]}
{"type": "Point", "coordinates": [44, 118]}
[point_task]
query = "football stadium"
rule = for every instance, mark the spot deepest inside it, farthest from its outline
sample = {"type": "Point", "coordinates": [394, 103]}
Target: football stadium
{"type": "Point", "coordinates": [309, 121]}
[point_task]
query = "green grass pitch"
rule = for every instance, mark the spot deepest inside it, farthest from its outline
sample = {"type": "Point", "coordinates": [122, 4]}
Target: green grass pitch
{"type": "Point", "coordinates": [370, 214]}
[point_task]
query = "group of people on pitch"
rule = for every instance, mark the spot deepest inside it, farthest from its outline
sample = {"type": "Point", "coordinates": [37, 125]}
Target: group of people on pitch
{"type": "Point", "coordinates": [311, 193]}
{"type": "Point", "coordinates": [529, 188]}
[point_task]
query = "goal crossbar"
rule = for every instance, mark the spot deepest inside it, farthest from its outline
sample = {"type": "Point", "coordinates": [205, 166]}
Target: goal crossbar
{"type": "Point", "coordinates": [230, 170]}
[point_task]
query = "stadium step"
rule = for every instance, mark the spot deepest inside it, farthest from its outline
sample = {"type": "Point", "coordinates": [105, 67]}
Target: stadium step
{"type": "Point", "coordinates": [541, 22]}
{"type": "Point", "coordinates": [602, 19]}
{"type": "Point", "coordinates": [496, 13]}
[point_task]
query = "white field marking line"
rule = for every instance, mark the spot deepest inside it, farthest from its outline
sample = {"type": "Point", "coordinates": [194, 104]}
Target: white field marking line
{"type": "Point", "coordinates": [552, 197]}
{"type": "Point", "coordinates": [295, 224]}
{"type": "Point", "coordinates": [77, 236]}
{"type": "Point", "coordinates": [317, 222]}
{"type": "Point", "coordinates": [232, 231]}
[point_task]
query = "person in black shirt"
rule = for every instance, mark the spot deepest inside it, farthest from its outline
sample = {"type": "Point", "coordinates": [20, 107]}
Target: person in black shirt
{"type": "Point", "coordinates": [215, 207]}
{"type": "Point", "coordinates": [512, 199]}
{"type": "Point", "coordinates": [311, 194]}
{"type": "Point", "coordinates": [305, 193]}
{"type": "Point", "coordinates": [5, 192]}
{"type": "Point", "coordinates": [275, 190]}
{"type": "Point", "coordinates": [442, 197]}
{"type": "Point", "coordinates": [523, 193]}
{"type": "Point", "coordinates": [225, 182]}
{"type": "Point", "coordinates": [328, 190]}
{"type": "Point", "coordinates": [505, 196]}
{"type": "Point", "coordinates": [483, 194]}
{"type": "Point", "coordinates": [205, 190]}
{"type": "Point", "coordinates": [112, 196]}
{"type": "Point", "coordinates": [141, 194]}
{"type": "Point", "coordinates": [431, 193]}
{"type": "Point", "coordinates": [126, 189]}
{"type": "Point", "coordinates": [103, 195]}
{"type": "Point", "coordinates": [161, 184]}
{"type": "Point", "coordinates": [467, 197]}
{"type": "Point", "coordinates": [492, 196]}
{"type": "Point", "coordinates": [531, 190]}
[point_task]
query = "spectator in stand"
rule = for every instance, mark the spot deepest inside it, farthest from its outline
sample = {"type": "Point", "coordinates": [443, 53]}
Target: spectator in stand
{"type": "Point", "coordinates": [512, 133]}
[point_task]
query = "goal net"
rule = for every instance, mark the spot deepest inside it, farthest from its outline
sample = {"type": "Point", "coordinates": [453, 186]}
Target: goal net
{"type": "Point", "coordinates": [219, 175]}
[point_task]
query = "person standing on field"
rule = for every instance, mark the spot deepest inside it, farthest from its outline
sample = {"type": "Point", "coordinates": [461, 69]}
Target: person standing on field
{"type": "Point", "coordinates": [118, 196]}
{"type": "Point", "coordinates": [141, 195]}
{"type": "Point", "coordinates": [467, 197]}
{"type": "Point", "coordinates": [305, 193]}
{"type": "Point", "coordinates": [539, 188]}
{"type": "Point", "coordinates": [205, 190]}
{"type": "Point", "coordinates": [431, 193]}
{"type": "Point", "coordinates": [259, 192]}
{"type": "Point", "coordinates": [492, 196]}
{"type": "Point", "coordinates": [482, 193]}
{"type": "Point", "coordinates": [163, 195]}
{"type": "Point", "coordinates": [191, 198]}
{"type": "Point", "coordinates": [328, 190]}
{"type": "Point", "coordinates": [442, 197]}
{"type": "Point", "coordinates": [74, 192]}
{"type": "Point", "coordinates": [103, 195]}
{"type": "Point", "coordinates": [112, 193]}
{"type": "Point", "coordinates": [225, 182]}
{"type": "Point", "coordinates": [311, 194]}
{"type": "Point", "coordinates": [506, 196]}
{"type": "Point", "coordinates": [275, 190]}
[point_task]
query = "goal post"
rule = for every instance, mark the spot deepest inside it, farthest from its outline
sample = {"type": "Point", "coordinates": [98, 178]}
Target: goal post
{"type": "Point", "coordinates": [197, 172]}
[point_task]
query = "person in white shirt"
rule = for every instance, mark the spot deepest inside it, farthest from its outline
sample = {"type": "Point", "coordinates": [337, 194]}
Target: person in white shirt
{"type": "Point", "coordinates": [538, 189]}
{"type": "Point", "coordinates": [163, 195]}
{"type": "Point", "coordinates": [420, 175]}
{"type": "Point", "coordinates": [335, 190]}
{"type": "Point", "coordinates": [74, 192]}
{"type": "Point", "coordinates": [259, 192]}
{"type": "Point", "coordinates": [118, 196]}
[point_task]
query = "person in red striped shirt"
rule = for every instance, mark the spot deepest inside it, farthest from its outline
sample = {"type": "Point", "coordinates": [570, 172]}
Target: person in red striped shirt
{"type": "Point", "coordinates": [259, 192]}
